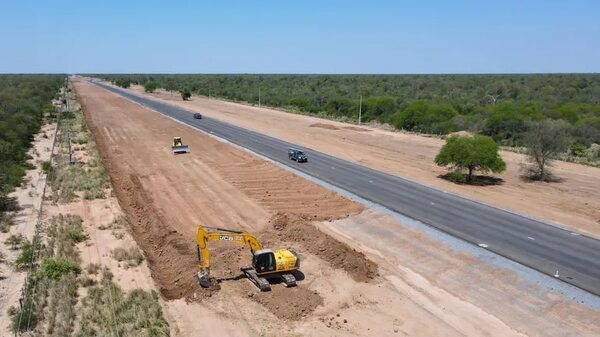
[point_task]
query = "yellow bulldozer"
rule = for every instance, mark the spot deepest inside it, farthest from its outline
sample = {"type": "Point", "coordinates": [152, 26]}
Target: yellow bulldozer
{"type": "Point", "coordinates": [178, 146]}
{"type": "Point", "coordinates": [267, 265]}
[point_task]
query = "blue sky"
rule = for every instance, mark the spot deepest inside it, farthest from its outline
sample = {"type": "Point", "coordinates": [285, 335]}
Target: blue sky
{"type": "Point", "coordinates": [300, 36]}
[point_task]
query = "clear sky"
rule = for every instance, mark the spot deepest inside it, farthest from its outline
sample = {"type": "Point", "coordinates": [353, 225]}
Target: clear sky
{"type": "Point", "coordinates": [305, 36]}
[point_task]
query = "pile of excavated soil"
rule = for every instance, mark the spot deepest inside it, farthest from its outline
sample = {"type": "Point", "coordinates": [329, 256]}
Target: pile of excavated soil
{"type": "Point", "coordinates": [324, 126]}
{"type": "Point", "coordinates": [304, 236]}
{"type": "Point", "coordinates": [355, 128]}
{"type": "Point", "coordinates": [287, 303]}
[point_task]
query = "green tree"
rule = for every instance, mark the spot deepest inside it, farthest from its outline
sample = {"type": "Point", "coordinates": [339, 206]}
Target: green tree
{"type": "Point", "coordinates": [477, 153]}
{"type": "Point", "coordinates": [150, 86]}
{"type": "Point", "coordinates": [428, 117]}
{"type": "Point", "coordinates": [123, 82]}
{"type": "Point", "coordinates": [185, 94]}
{"type": "Point", "coordinates": [170, 86]}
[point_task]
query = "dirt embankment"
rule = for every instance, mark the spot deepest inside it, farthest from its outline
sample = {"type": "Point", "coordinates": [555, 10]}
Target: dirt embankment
{"type": "Point", "coordinates": [299, 231]}
{"type": "Point", "coordinates": [166, 196]}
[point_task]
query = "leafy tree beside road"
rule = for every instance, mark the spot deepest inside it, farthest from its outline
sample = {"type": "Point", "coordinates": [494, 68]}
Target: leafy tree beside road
{"type": "Point", "coordinates": [150, 86]}
{"type": "Point", "coordinates": [478, 153]}
{"type": "Point", "coordinates": [122, 82]}
{"type": "Point", "coordinates": [185, 94]}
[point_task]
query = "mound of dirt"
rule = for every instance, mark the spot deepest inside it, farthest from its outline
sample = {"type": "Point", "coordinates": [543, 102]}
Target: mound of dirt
{"type": "Point", "coordinates": [324, 126]}
{"type": "Point", "coordinates": [300, 232]}
{"type": "Point", "coordinates": [461, 134]}
{"type": "Point", "coordinates": [355, 128]}
{"type": "Point", "coordinates": [288, 303]}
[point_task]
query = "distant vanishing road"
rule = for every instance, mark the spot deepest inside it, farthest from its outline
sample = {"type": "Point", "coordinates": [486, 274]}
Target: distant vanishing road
{"type": "Point", "coordinates": [532, 243]}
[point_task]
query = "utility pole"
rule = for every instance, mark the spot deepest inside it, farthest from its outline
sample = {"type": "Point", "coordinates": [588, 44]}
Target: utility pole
{"type": "Point", "coordinates": [360, 110]}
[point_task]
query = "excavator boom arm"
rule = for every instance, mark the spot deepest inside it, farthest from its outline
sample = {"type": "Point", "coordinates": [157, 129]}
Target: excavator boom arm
{"type": "Point", "coordinates": [203, 237]}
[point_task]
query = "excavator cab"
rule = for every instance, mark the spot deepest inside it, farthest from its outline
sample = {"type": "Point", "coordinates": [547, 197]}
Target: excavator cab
{"type": "Point", "coordinates": [263, 261]}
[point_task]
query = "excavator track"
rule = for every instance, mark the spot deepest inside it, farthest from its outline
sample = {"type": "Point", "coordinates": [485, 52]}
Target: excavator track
{"type": "Point", "coordinates": [260, 282]}
{"type": "Point", "coordinates": [288, 280]}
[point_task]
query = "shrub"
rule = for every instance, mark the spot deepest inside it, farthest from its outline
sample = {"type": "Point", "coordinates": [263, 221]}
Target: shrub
{"type": "Point", "coordinates": [577, 150]}
{"type": "Point", "coordinates": [544, 141]}
{"type": "Point", "coordinates": [25, 256]}
{"type": "Point", "coordinates": [457, 177]}
{"type": "Point", "coordinates": [54, 268]}
{"type": "Point", "coordinates": [14, 241]}
{"type": "Point", "coordinates": [46, 167]}
{"type": "Point", "coordinates": [185, 94]}
{"type": "Point", "coordinates": [88, 282]}
{"type": "Point", "coordinates": [132, 256]}
{"type": "Point", "coordinates": [6, 220]}
{"type": "Point", "coordinates": [92, 268]}
{"type": "Point", "coordinates": [150, 86]}
{"type": "Point", "coordinates": [74, 235]}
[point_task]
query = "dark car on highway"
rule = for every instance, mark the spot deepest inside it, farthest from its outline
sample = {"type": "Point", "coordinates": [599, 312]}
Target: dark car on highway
{"type": "Point", "coordinates": [197, 116]}
{"type": "Point", "coordinates": [297, 155]}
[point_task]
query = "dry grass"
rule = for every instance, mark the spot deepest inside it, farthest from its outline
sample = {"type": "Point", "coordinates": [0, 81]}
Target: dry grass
{"type": "Point", "coordinates": [70, 181]}
{"type": "Point", "coordinates": [92, 268]}
{"type": "Point", "coordinates": [132, 256]}
{"type": "Point", "coordinates": [136, 313]}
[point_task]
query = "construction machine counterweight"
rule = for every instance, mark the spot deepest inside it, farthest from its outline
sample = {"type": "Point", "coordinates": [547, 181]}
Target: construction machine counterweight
{"type": "Point", "coordinates": [266, 264]}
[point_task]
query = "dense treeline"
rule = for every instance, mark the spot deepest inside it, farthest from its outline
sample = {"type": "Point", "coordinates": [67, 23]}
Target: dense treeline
{"type": "Point", "coordinates": [500, 106]}
{"type": "Point", "coordinates": [23, 101]}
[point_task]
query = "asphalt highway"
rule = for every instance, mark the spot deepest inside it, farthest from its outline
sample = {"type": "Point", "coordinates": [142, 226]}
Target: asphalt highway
{"type": "Point", "coordinates": [538, 245]}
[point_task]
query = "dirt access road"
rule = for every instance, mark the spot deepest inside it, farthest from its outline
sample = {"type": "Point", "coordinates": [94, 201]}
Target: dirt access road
{"type": "Point", "coordinates": [422, 288]}
{"type": "Point", "coordinates": [574, 203]}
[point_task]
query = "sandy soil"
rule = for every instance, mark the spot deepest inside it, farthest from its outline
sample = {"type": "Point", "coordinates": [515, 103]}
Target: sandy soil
{"type": "Point", "coordinates": [575, 202]}
{"type": "Point", "coordinates": [29, 197]}
{"type": "Point", "coordinates": [420, 287]}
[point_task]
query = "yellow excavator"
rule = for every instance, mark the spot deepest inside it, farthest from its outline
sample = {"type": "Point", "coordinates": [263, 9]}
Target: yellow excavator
{"type": "Point", "coordinates": [178, 146]}
{"type": "Point", "coordinates": [266, 263]}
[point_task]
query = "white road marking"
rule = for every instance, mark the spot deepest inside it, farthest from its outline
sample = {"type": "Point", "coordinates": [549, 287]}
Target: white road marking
{"type": "Point", "coordinates": [556, 275]}
{"type": "Point", "coordinates": [530, 238]}
{"type": "Point", "coordinates": [432, 203]}
{"type": "Point", "coordinates": [574, 234]}
{"type": "Point", "coordinates": [371, 181]}
{"type": "Point", "coordinates": [482, 245]}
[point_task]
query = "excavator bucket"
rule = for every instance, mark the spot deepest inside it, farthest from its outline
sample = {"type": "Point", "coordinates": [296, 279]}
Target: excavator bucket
{"type": "Point", "coordinates": [180, 149]}
{"type": "Point", "coordinates": [204, 279]}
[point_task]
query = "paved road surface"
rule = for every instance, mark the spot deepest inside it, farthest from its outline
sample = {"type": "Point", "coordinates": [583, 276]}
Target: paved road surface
{"type": "Point", "coordinates": [532, 243]}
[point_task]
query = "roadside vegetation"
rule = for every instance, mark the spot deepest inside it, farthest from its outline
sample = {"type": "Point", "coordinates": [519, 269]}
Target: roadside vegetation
{"type": "Point", "coordinates": [498, 106]}
{"type": "Point", "coordinates": [60, 297]}
{"type": "Point", "coordinates": [24, 101]}
{"type": "Point", "coordinates": [85, 177]}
